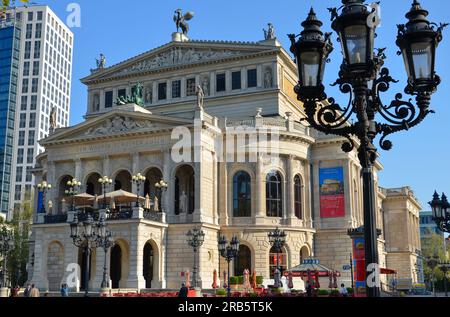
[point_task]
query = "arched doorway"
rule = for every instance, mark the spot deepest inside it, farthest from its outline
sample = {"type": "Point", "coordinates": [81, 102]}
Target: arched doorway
{"type": "Point", "coordinates": [93, 187]}
{"type": "Point", "coordinates": [61, 194]}
{"type": "Point", "coordinates": [184, 190]}
{"type": "Point", "coordinates": [153, 176]}
{"type": "Point", "coordinates": [148, 264]}
{"type": "Point", "coordinates": [243, 261]}
{"type": "Point", "coordinates": [304, 254]}
{"type": "Point", "coordinates": [123, 181]}
{"type": "Point", "coordinates": [116, 266]}
{"type": "Point", "coordinates": [273, 260]}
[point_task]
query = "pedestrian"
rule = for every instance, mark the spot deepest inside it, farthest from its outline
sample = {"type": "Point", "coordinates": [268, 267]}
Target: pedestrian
{"type": "Point", "coordinates": [34, 291]}
{"type": "Point", "coordinates": [183, 291]}
{"type": "Point", "coordinates": [64, 290]}
{"type": "Point", "coordinates": [26, 292]}
{"type": "Point", "coordinates": [343, 291]}
{"type": "Point", "coordinates": [308, 289]}
{"type": "Point", "coordinates": [15, 291]}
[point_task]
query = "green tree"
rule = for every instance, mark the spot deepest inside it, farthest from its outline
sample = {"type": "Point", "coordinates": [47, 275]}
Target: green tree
{"type": "Point", "coordinates": [433, 245]}
{"type": "Point", "coordinates": [18, 257]}
{"type": "Point", "coordinates": [5, 4]}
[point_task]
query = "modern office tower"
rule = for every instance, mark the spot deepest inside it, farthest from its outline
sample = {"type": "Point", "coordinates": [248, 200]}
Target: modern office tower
{"type": "Point", "coordinates": [44, 56]}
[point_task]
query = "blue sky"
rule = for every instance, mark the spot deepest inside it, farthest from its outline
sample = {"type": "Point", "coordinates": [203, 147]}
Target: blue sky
{"type": "Point", "coordinates": [122, 29]}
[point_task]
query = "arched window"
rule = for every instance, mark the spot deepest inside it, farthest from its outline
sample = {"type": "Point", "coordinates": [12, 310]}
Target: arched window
{"type": "Point", "coordinates": [274, 197]}
{"type": "Point", "coordinates": [184, 190]}
{"type": "Point", "coordinates": [298, 196]}
{"type": "Point", "coordinates": [274, 257]}
{"type": "Point", "coordinates": [243, 261]}
{"type": "Point", "coordinates": [242, 202]}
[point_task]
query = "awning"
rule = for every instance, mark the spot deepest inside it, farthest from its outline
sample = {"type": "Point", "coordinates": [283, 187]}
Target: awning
{"type": "Point", "coordinates": [387, 271]}
{"type": "Point", "coordinates": [311, 265]}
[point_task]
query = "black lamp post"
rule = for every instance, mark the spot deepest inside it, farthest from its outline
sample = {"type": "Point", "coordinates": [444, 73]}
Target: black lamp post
{"type": "Point", "coordinates": [441, 212]}
{"type": "Point", "coordinates": [277, 240]}
{"type": "Point", "coordinates": [105, 181]}
{"type": "Point", "coordinates": [86, 237]}
{"type": "Point", "coordinates": [105, 241]}
{"type": "Point", "coordinates": [43, 188]}
{"type": "Point", "coordinates": [161, 188]}
{"type": "Point", "coordinates": [6, 245]}
{"type": "Point", "coordinates": [74, 185]}
{"type": "Point", "coordinates": [229, 251]}
{"type": "Point", "coordinates": [138, 179]}
{"type": "Point", "coordinates": [196, 237]}
{"type": "Point", "coordinates": [363, 77]}
{"type": "Point", "coordinates": [445, 267]}
{"type": "Point", "coordinates": [432, 262]}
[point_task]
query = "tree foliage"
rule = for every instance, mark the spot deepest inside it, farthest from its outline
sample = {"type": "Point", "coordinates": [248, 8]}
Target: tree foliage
{"type": "Point", "coordinates": [434, 245]}
{"type": "Point", "coordinates": [5, 4]}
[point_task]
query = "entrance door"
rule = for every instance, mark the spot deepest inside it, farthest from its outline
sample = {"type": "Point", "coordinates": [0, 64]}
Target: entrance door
{"type": "Point", "coordinates": [148, 265]}
{"type": "Point", "coordinates": [116, 266]}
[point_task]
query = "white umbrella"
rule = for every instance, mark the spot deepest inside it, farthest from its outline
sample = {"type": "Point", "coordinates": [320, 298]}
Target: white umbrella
{"type": "Point", "coordinates": [147, 203]}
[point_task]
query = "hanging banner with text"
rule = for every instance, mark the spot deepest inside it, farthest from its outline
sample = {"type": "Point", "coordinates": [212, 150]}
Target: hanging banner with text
{"type": "Point", "coordinates": [332, 197]}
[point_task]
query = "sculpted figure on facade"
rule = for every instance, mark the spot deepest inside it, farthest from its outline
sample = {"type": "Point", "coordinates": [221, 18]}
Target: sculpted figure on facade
{"type": "Point", "coordinates": [200, 97]}
{"type": "Point", "coordinates": [183, 202]}
{"type": "Point", "coordinates": [148, 97]}
{"type": "Point", "coordinates": [205, 85]}
{"type": "Point", "coordinates": [156, 204]}
{"type": "Point", "coordinates": [268, 78]}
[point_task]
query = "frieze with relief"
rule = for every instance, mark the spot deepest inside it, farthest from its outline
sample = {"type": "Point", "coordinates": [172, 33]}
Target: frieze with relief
{"type": "Point", "coordinates": [179, 56]}
{"type": "Point", "coordinates": [119, 124]}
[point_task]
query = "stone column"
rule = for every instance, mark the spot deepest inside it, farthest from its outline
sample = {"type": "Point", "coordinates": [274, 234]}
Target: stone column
{"type": "Point", "coordinates": [134, 171]}
{"type": "Point", "coordinates": [198, 192]}
{"type": "Point", "coordinates": [167, 168]}
{"type": "Point", "coordinates": [290, 196]}
{"type": "Point", "coordinates": [307, 209]}
{"type": "Point", "coordinates": [155, 92]}
{"type": "Point", "coordinates": [135, 276]}
{"type": "Point", "coordinates": [223, 194]}
{"type": "Point", "coordinates": [53, 193]}
{"type": "Point", "coordinates": [260, 192]}
{"type": "Point", "coordinates": [79, 172]}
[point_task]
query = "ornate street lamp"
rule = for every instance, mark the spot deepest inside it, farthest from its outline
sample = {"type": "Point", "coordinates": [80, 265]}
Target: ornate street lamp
{"type": "Point", "coordinates": [105, 240]}
{"type": "Point", "coordinates": [6, 245]}
{"type": "Point", "coordinates": [441, 212]}
{"type": "Point", "coordinates": [86, 235]}
{"type": "Point", "coordinates": [74, 186]}
{"type": "Point", "coordinates": [138, 179]}
{"type": "Point", "coordinates": [105, 181]}
{"type": "Point", "coordinates": [43, 188]}
{"type": "Point", "coordinates": [195, 239]}
{"type": "Point", "coordinates": [161, 188]}
{"type": "Point", "coordinates": [277, 240]}
{"type": "Point", "coordinates": [229, 251]}
{"type": "Point", "coordinates": [363, 77]}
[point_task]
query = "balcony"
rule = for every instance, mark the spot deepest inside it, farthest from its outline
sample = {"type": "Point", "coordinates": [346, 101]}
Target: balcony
{"type": "Point", "coordinates": [52, 219]}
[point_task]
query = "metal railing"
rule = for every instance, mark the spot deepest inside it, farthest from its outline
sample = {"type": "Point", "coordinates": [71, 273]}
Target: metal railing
{"type": "Point", "coordinates": [152, 215]}
{"type": "Point", "coordinates": [53, 219]}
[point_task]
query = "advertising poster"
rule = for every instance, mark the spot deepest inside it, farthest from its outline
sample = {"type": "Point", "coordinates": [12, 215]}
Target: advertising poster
{"type": "Point", "coordinates": [359, 263]}
{"type": "Point", "coordinates": [332, 197]}
{"type": "Point", "coordinates": [40, 202]}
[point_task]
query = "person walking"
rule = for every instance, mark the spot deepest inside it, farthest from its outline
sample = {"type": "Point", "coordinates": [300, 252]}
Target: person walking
{"type": "Point", "coordinates": [343, 291]}
{"type": "Point", "coordinates": [308, 289]}
{"type": "Point", "coordinates": [34, 291]}
{"type": "Point", "coordinates": [15, 291]}
{"type": "Point", "coordinates": [64, 290]}
{"type": "Point", "coordinates": [26, 292]}
{"type": "Point", "coordinates": [183, 291]}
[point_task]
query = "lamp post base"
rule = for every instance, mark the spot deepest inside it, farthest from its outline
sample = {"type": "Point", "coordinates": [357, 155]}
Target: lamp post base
{"type": "Point", "coordinates": [105, 292]}
{"type": "Point", "coordinates": [4, 292]}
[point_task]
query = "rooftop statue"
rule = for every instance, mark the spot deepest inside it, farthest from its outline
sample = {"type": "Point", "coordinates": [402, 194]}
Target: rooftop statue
{"type": "Point", "coordinates": [180, 20]}
{"type": "Point", "coordinates": [101, 63]}
{"type": "Point", "coordinates": [136, 96]}
{"type": "Point", "coordinates": [269, 34]}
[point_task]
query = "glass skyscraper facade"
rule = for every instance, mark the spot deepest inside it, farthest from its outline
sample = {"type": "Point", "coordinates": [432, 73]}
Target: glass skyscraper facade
{"type": "Point", "coordinates": [9, 70]}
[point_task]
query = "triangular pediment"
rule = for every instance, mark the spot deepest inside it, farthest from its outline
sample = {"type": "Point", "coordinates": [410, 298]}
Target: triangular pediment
{"type": "Point", "coordinates": [180, 54]}
{"type": "Point", "coordinates": [116, 123]}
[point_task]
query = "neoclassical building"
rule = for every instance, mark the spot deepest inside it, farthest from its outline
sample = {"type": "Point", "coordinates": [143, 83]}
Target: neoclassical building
{"type": "Point", "coordinates": [248, 164]}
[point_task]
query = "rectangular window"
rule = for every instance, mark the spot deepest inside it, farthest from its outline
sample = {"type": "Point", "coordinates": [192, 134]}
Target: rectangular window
{"type": "Point", "coordinates": [220, 82]}
{"type": "Point", "coordinates": [21, 138]}
{"type": "Point", "coordinates": [19, 172]}
{"type": "Point", "coordinates": [190, 87]}
{"type": "Point", "coordinates": [33, 105]}
{"type": "Point", "coordinates": [36, 68]}
{"type": "Point", "coordinates": [34, 85]}
{"type": "Point", "coordinates": [28, 175]}
{"type": "Point", "coordinates": [31, 135]}
{"type": "Point", "coordinates": [39, 16]}
{"type": "Point", "coordinates": [23, 120]}
{"type": "Point", "coordinates": [38, 32]}
{"type": "Point", "coordinates": [25, 86]}
{"type": "Point", "coordinates": [122, 93]}
{"type": "Point", "coordinates": [176, 89]}
{"type": "Point", "coordinates": [29, 31]}
{"type": "Point", "coordinates": [30, 156]}
{"type": "Point", "coordinates": [30, 16]}
{"type": "Point", "coordinates": [26, 68]}
{"type": "Point", "coordinates": [27, 53]}
{"type": "Point", "coordinates": [17, 192]}
{"type": "Point", "coordinates": [236, 80]}
{"type": "Point", "coordinates": [32, 120]}
{"type": "Point", "coordinates": [24, 103]}
{"type": "Point", "coordinates": [37, 49]}
{"type": "Point", "coordinates": [108, 99]}
{"type": "Point", "coordinates": [252, 80]}
{"type": "Point", "coordinates": [27, 192]}
{"type": "Point", "coordinates": [162, 91]}
{"type": "Point", "coordinates": [20, 156]}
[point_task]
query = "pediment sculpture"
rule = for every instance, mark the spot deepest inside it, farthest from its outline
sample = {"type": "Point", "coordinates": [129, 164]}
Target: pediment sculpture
{"type": "Point", "coordinates": [178, 56]}
{"type": "Point", "coordinates": [119, 124]}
